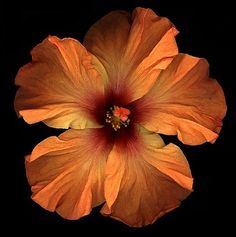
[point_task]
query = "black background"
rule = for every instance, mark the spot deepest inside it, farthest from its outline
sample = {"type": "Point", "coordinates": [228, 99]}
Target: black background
{"type": "Point", "coordinates": [206, 30]}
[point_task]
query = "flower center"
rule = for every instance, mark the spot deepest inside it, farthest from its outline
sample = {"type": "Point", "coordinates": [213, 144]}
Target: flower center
{"type": "Point", "coordinates": [117, 116]}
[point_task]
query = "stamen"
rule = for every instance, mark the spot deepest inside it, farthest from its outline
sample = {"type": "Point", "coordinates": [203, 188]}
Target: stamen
{"type": "Point", "coordinates": [117, 116]}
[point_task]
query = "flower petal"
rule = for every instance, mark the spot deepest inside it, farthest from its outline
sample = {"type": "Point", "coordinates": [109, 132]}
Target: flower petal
{"type": "Point", "coordinates": [65, 175]}
{"type": "Point", "coordinates": [133, 49]}
{"type": "Point", "coordinates": [145, 179]}
{"type": "Point", "coordinates": [184, 101]}
{"type": "Point", "coordinates": [61, 85]}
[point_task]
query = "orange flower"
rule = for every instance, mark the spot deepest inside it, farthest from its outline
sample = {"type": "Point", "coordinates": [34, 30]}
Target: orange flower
{"type": "Point", "coordinates": [115, 93]}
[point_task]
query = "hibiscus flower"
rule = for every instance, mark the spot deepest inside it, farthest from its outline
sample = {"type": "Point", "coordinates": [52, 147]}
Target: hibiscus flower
{"type": "Point", "coordinates": [114, 94]}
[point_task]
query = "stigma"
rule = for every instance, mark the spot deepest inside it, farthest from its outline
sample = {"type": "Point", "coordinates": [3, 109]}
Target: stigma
{"type": "Point", "coordinates": [118, 117]}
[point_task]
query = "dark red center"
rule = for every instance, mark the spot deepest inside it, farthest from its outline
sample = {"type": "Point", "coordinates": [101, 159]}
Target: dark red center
{"type": "Point", "coordinates": [117, 116]}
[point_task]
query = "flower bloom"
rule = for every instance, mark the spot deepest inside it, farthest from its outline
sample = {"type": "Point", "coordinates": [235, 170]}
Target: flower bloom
{"type": "Point", "coordinates": [115, 93]}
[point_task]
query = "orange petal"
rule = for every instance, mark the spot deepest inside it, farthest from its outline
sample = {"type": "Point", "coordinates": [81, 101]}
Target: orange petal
{"type": "Point", "coordinates": [145, 180]}
{"type": "Point", "coordinates": [133, 49]}
{"type": "Point", "coordinates": [65, 175]}
{"type": "Point", "coordinates": [184, 101]}
{"type": "Point", "coordinates": [61, 85]}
